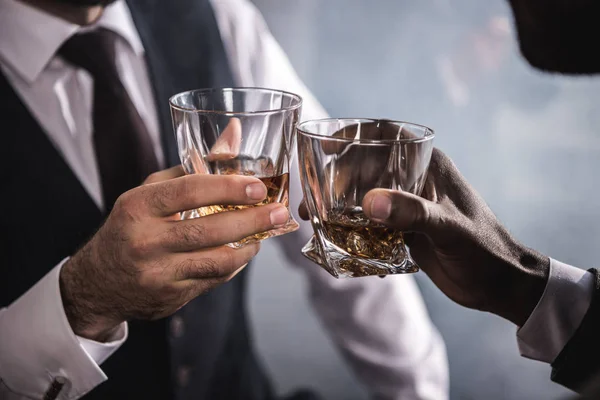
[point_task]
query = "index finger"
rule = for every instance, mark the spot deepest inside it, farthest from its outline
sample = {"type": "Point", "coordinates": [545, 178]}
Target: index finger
{"type": "Point", "coordinates": [200, 190]}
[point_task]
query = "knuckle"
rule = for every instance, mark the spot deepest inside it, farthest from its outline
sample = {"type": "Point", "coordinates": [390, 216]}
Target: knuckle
{"type": "Point", "coordinates": [140, 248]}
{"type": "Point", "coordinates": [157, 287]}
{"type": "Point", "coordinates": [153, 177]}
{"type": "Point", "coordinates": [437, 155]}
{"type": "Point", "coordinates": [127, 206]}
{"type": "Point", "coordinates": [421, 213]}
{"type": "Point", "coordinates": [441, 163]}
{"type": "Point", "coordinates": [231, 260]}
{"type": "Point", "coordinates": [210, 268]}
{"type": "Point", "coordinates": [190, 185]}
{"type": "Point", "coordinates": [129, 215]}
{"type": "Point", "coordinates": [149, 282]}
{"type": "Point", "coordinates": [192, 189]}
{"type": "Point", "coordinates": [187, 187]}
{"type": "Point", "coordinates": [243, 256]}
{"type": "Point", "coordinates": [158, 197]}
{"type": "Point", "coordinates": [186, 268]}
{"type": "Point", "coordinates": [125, 201]}
{"type": "Point", "coordinates": [230, 186]}
{"type": "Point", "coordinates": [169, 290]}
{"type": "Point", "coordinates": [260, 219]}
{"type": "Point", "coordinates": [192, 233]}
{"type": "Point", "coordinates": [241, 225]}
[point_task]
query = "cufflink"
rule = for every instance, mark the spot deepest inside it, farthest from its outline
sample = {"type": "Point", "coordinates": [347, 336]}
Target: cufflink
{"type": "Point", "coordinates": [55, 388]}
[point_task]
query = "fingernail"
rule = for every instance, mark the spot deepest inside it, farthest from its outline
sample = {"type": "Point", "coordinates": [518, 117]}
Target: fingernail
{"type": "Point", "coordinates": [381, 207]}
{"type": "Point", "coordinates": [279, 216]}
{"type": "Point", "coordinates": [256, 191]}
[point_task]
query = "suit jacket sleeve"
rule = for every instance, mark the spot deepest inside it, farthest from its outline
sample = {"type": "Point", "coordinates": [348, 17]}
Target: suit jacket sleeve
{"type": "Point", "coordinates": [579, 362]}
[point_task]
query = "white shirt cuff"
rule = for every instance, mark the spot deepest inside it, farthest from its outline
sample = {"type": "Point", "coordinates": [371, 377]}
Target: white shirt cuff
{"type": "Point", "coordinates": [37, 345]}
{"type": "Point", "coordinates": [558, 314]}
{"type": "Point", "coordinates": [99, 351]}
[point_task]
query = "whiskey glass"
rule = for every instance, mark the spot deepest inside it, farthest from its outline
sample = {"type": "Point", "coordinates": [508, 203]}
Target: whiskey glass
{"type": "Point", "coordinates": [340, 161]}
{"type": "Point", "coordinates": [242, 131]}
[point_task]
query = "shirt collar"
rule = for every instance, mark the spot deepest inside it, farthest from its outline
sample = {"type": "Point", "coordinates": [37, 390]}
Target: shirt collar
{"type": "Point", "coordinates": [29, 37]}
{"type": "Point", "coordinates": [117, 18]}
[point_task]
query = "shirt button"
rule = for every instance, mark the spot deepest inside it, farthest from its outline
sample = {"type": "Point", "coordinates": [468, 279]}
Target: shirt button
{"type": "Point", "coordinates": [183, 376]}
{"type": "Point", "coordinates": [177, 326]}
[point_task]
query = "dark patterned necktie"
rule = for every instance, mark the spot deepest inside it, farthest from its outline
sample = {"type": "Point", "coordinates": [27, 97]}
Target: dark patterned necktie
{"type": "Point", "coordinates": [124, 152]}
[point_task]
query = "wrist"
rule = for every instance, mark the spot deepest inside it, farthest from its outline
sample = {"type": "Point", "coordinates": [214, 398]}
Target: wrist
{"type": "Point", "coordinates": [80, 305]}
{"type": "Point", "coordinates": [527, 276]}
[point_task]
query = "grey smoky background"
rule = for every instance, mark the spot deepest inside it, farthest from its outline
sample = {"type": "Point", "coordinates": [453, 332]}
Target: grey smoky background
{"type": "Point", "coordinates": [528, 142]}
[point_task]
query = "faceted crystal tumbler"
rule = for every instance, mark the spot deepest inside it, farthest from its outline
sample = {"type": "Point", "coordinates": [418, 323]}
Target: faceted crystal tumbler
{"type": "Point", "coordinates": [340, 161]}
{"type": "Point", "coordinates": [243, 131]}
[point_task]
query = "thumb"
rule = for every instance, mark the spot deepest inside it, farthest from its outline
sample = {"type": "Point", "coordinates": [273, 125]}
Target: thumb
{"type": "Point", "coordinates": [402, 211]}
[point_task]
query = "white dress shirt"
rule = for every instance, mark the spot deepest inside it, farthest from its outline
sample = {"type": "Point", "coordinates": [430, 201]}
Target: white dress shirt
{"type": "Point", "coordinates": [395, 349]}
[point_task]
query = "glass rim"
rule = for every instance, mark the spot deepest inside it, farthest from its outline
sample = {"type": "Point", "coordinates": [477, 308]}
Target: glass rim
{"type": "Point", "coordinates": [429, 133]}
{"type": "Point", "coordinates": [294, 96]}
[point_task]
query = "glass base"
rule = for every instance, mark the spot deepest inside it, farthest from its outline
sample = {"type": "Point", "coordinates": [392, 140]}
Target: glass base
{"type": "Point", "coordinates": [290, 227]}
{"type": "Point", "coordinates": [344, 265]}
